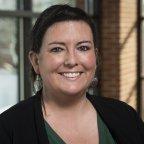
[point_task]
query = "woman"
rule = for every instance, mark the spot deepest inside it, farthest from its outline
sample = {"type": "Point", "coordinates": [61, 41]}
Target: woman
{"type": "Point", "coordinates": [63, 56]}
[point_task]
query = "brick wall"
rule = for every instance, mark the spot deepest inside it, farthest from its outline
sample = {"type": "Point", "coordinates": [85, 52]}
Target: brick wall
{"type": "Point", "coordinates": [109, 49]}
{"type": "Point", "coordinates": [118, 50]}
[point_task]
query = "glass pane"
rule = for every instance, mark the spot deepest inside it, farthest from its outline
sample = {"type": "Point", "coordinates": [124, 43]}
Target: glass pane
{"type": "Point", "coordinates": [8, 63]}
{"type": "Point", "coordinates": [7, 4]}
{"type": "Point", "coordinates": [40, 5]}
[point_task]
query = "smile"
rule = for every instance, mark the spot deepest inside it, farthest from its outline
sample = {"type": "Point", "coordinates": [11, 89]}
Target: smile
{"type": "Point", "coordinates": [71, 74]}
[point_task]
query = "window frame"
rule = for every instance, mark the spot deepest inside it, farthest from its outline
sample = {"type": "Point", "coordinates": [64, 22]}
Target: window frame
{"type": "Point", "coordinates": [24, 15]}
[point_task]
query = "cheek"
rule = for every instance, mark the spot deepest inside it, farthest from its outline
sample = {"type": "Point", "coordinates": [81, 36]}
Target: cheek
{"type": "Point", "coordinates": [50, 64]}
{"type": "Point", "coordinates": [89, 62]}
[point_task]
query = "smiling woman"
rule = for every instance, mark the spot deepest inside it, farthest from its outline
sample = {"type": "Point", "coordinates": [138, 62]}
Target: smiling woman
{"type": "Point", "coordinates": [64, 56]}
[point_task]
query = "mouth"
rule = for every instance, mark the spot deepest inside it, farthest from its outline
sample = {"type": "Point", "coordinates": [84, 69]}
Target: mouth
{"type": "Point", "coordinates": [71, 75]}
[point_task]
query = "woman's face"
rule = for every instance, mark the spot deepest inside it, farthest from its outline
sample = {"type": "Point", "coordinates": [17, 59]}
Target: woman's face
{"type": "Point", "coordinates": [67, 59]}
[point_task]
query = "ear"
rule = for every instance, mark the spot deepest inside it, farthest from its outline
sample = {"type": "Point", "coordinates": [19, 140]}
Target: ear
{"type": "Point", "coordinates": [33, 57]}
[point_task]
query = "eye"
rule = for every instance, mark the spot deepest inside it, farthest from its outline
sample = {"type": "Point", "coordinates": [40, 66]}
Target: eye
{"type": "Point", "coordinates": [83, 48]}
{"type": "Point", "coordinates": [56, 49]}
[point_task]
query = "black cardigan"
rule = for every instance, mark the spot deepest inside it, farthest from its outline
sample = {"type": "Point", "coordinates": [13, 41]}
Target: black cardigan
{"type": "Point", "coordinates": [24, 123]}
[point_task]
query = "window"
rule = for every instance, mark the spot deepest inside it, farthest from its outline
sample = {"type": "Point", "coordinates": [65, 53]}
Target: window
{"type": "Point", "coordinates": [8, 62]}
{"type": "Point", "coordinates": [8, 5]}
{"type": "Point", "coordinates": [40, 5]}
{"type": "Point", "coordinates": [8, 57]}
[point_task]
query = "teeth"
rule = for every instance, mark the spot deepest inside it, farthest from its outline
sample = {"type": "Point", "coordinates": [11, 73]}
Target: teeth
{"type": "Point", "coordinates": [71, 75]}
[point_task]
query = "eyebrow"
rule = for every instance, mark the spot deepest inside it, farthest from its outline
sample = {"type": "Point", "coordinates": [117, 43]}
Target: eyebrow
{"type": "Point", "coordinates": [62, 43]}
{"type": "Point", "coordinates": [84, 42]}
{"type": "Point", "coordinates": [56, 42]}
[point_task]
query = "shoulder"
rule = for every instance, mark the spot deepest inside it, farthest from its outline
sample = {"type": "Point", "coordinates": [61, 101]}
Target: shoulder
{"type": "Point", "coordinates": [18, 113]}
{"type": "Point", "coordinates": [114, 110]}
{"type": "Point", "coordinates": [117, 112]}
{"type": "Point", "coordinates": [110, 104]}
{"type": "Point", "coordinates": [18, 124]}
{"type": "Point", "coordinates": [114, 104]}
{"type": "Point", "coordinates": [122, 119]}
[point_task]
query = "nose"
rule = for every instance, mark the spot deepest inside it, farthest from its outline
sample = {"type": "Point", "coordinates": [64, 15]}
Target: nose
{"type": "Point", "coordinates": [71, 59]}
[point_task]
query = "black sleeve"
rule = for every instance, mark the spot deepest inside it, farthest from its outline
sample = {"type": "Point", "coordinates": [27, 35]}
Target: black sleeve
{"type": "Point", "coordinates": [140, 126]}
{"type": "Point", "coordinates": [4, 135]}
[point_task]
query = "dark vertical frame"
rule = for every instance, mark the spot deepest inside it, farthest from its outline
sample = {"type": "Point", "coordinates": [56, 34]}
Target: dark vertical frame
{"type": "Point", "coordinates": [140, 86]}
{"type": "Point", "coordinates": [93, 8]}
{"type": "Point", "coordinates": [24, 26]}
{"type": "Point", "coordinates": [140, 80]}
{"type": "Point", "coordinates": [97, 14]}
{"type": "Point", "coordinates": [27, 28]}
{"type": "Point", "coordinates": [18, 50]}
{"type": "Point", "coordinates": [140, 58]}
{"type": "Point", "coordinates": [139, 94]}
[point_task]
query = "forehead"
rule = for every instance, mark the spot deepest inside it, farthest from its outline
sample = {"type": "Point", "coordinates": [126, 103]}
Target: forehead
{"type": "Point", "coordinates": [69, 29]}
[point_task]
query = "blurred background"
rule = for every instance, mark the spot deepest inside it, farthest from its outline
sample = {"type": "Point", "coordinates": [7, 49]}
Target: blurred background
{"type": "Point", "coordinates": [120, 36]}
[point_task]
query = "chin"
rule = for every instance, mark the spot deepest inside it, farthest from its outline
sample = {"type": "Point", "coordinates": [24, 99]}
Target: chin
{"type": "Point", "coordinates": [73, 91]}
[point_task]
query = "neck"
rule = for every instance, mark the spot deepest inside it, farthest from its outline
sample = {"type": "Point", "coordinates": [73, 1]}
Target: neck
{"type": "Point", "coordinates": [64, 104]}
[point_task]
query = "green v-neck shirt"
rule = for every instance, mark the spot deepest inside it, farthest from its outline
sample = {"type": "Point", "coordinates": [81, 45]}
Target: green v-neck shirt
{"type": "Point", "coordinates": [105, 136]}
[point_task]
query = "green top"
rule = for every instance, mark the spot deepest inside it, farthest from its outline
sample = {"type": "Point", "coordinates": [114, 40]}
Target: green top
{"type": "Point", "coordinates": [105, 136]}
